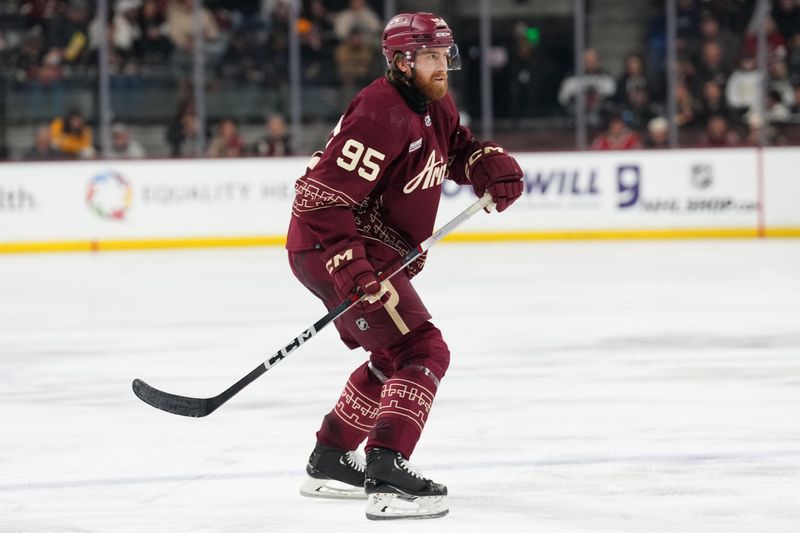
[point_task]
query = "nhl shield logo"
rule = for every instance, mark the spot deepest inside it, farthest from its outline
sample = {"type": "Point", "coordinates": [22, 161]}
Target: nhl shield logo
{"type": "Point", "coordinates": [427, 120]}
{"type": "Point", "coordinates": [702, 176]}
{"type": "Point", "coordinates": [362, 324]}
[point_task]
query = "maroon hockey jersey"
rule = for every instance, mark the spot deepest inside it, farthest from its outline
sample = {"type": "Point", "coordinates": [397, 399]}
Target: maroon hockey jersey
{"type": "Point", "coordinates": [380, 175]}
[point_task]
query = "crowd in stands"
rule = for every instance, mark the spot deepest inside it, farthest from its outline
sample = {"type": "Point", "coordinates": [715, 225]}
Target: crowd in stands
{"type": "Point", "coordinates": [246, 42]}
{"type": "Point", "coordinates": [718, 84]}
{"type": "Point", "coordinates": [243, 39]}
{"type": "Point", "coordinates": [70, 137]}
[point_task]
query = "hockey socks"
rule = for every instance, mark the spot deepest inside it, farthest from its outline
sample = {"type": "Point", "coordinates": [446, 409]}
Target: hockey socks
{"type": "Point", "coordinates": [406, 400]}
{"type": "Point", "coordinates": [348, 424]}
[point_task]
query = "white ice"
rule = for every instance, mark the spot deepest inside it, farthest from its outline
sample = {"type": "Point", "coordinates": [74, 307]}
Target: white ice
{"type": "Point", "coordinates": [594, 387]}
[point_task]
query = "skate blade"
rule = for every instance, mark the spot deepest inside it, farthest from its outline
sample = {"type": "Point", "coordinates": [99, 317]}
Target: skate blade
{"type": "Point", "coordinates": [389, 506]}
{"type": "Point", "coordinates": [329, 488]}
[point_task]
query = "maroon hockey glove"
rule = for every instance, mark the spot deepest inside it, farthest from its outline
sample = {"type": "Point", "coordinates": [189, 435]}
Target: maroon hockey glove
{"type": "Point", "coordinates": [490, 168]}
{"type": "Point", "coordinates": [347, 263]}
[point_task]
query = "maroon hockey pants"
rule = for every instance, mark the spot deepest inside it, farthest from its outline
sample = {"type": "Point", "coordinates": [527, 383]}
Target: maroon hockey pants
{"type": "Point", "coordinates": [388, 398]}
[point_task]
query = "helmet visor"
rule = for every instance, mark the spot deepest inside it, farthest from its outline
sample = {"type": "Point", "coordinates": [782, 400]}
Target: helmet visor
{"type": "Point", "coordinates": [446, 57]}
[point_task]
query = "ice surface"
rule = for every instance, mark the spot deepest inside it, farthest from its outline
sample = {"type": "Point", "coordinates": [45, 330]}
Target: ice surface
{"type": "Point", "coordinates": [594, 387]}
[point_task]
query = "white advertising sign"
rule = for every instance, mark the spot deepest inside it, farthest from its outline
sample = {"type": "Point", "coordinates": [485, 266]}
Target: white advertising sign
{"type": "Point", "coordinates": [145, 199]}
{"type": "Point", "coordinates": [570, 193]}
{"type": "Point", "coordinates": [629, 190]}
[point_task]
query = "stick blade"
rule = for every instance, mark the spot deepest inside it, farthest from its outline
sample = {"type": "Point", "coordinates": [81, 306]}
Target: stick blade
{"type": "Point", "coordinates": [171, 403]}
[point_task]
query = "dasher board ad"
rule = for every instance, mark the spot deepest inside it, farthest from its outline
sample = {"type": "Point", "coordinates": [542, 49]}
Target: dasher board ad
{"type": "Point", "coordinates": [615, 194]}
{"type": "Point", "coordinates": [627, 190]}
{"type": "Point", "coordinates": [147, 199]}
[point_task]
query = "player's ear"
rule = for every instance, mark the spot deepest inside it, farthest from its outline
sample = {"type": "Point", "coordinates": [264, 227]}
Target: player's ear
{"type": "Point", "coordinates": [401, 64]}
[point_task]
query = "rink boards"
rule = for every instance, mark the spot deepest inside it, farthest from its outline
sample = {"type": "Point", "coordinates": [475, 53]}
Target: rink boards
{"type": "Point", "coordinates": [743, 192]}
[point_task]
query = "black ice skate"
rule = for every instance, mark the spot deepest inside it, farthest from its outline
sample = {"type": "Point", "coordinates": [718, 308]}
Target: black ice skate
{"type": "Point", "coordinates": [396, 490]}
{"type": "Point", "coordinates": [334, 474]}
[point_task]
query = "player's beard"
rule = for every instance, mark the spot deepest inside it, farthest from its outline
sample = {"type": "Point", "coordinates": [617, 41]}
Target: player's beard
{"type": "Point", "coordinates": [432, 90]}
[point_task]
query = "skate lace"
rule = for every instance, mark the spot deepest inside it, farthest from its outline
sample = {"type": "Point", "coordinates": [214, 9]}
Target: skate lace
{"type": "Point", "coordinates": [356, 460]}
{"type": "Point", "coordinates": [408, 467]}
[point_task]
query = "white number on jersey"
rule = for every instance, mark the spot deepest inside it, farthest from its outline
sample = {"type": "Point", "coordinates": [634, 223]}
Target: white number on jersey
{"type": "Point", "coordinates": [351, 156]}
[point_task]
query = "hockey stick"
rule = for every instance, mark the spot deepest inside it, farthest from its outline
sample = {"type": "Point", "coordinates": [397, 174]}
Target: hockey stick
{"type": "Point", "coordinates": [199, 407]}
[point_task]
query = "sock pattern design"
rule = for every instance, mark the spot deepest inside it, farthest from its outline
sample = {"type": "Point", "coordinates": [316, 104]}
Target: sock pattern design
{"type": "Point", "coordinates": [355, 408]}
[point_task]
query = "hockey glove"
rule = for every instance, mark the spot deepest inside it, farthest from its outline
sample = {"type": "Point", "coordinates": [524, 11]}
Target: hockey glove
{"type": "Point", "coordinates": [490, 168]}
{"type": "Point", "coordinates": [347, 264]}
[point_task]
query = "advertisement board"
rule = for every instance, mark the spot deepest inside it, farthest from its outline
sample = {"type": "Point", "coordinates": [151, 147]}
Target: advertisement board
{"type": "Point", "coordinates": [634, 194]}
{"type": "Point", "coordinates": [611, 193]}
{"type": "Point", "coordinates": [147, 200]}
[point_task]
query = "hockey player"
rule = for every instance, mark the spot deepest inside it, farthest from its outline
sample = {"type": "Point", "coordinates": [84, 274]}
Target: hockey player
{"type": "Point", "coordinates": [370, 195]}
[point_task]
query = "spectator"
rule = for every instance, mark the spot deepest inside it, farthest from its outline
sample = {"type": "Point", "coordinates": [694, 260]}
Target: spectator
{"type": "Point", "coordinates": [122, 146]}
{"type": "Point", "coordinates": [278, 13]}
{"type": "Point", "coordinates": [688, 19]}
{"type": "Point", "coordinates": [182, 131]}
{"type": "Point", "coordinates": [36, 12]}
{"type": "Point", "coordinates": [639, 110]}
{"type": "Point", "coordinates": [240, 14]}
{"type": "Point", "coordinates": [322, 20]}
{"type": "Point", "coordinates": [755, 125]}
{"type": "Point", "coordinates": [42, 149]}
{"type": "Point", "coordinates": [728, 44]}
{"type": "Point", "coordinates": [685, 108]}
{"type": "Point", "coordinates": [633, 78]}
{"type": "Point", "coordinates": [180, 25]}
{"type": "Point", "coordinates": [121, 32]}
{"type": "Point", "coordinates": [743, 90]}
{"type": "Point", "coordinates": [276, 142]}
{"type": "Point", "coordinates": [779, 81]}
{"type": "Point", "coordinates": [598, 83]}
{"type": "Point", "coordinates": [793, 59]}
{"type": "Point", "coordinates": [227, 142]}
{"type": "Point", "coordinates": [713, 102]}
{"type": "Point", "coordinates": [317, 44]}
{"type": "Point", "coordinates": [241, 61]}
{"type": "Point", "coordinates": [315, 56]}
{"type": "Point", "coordinates": [777, 111]}
{"type": "Point", "coordinates": [718, 134]}
{"type": "Point", "coordinates": [786, 15]}
{"type": "Point", "coordinates": [775, 42]}
{"type": "Point", "coordinates": [617, 136]}
{"type": "Point", "coordinates": [72, 136]}
{"type": "Point", "coordinates": [153, 46]}
{"type": "Point", "coordinates": [657, 133]}
{"type": "Point", "coordinates": [686, 71]}
{"type": "Point", "coordinates": [64, 27]}
{"type": "Point", "coordinates": [711, 67]}
{"type": "Point", "coordinates": [354, 59]}
{"type": "Point", "coordinates": [27, 60]}
{"type": "Point", "coordinates": [358, 16]}
{"type": "Point", "coordinates": [529, 75]}
{"type": "Point", "coordinates": [276, 70]}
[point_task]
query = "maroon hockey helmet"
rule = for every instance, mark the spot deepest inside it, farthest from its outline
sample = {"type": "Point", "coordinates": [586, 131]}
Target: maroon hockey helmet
{"type": "Point", "coordinates": [409, 32]}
